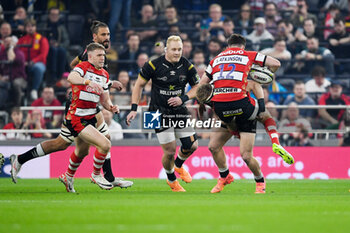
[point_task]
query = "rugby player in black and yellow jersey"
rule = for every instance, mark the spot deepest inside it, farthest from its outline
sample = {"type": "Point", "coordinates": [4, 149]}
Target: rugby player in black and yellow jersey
{"type": "Point", "coordinates": [169, 75]}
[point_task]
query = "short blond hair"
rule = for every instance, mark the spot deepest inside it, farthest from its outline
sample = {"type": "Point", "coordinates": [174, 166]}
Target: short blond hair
{"type": "Point", "coordinates": [215, 5]}
{"type": "Point", "coordinates": [173, 38]}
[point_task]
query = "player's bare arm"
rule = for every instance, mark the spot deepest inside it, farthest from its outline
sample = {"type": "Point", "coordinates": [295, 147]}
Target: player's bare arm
{"type": "Point", "coordinates": [272, 63]}
{"type": "Point", "coordinates": [107, 103]}
{"type": "Point", "coordinates": [75, 78]}
{"type": "Point", "coordinates": [117, 85]}
{"type": "Point", "coordinates": [74, 62]}
{"type": "Point", "coordinates": [135, 98]}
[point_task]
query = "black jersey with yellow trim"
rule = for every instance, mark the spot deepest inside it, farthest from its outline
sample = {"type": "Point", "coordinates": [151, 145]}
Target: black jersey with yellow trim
{"type": "Point", "coordinates": [168, 80]}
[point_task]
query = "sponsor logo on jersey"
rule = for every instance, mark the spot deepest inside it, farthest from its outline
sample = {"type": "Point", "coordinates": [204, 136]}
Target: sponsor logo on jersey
{"type": "Point", "coordinates": [172, 72]}
{"type": "Point", "coordinates": [164, 78]}
{"type": "Point", "coordinates": [232, 112]}
{"type": "Point", "coordinates": [172, 93]}
{"type": "Point", "coordinates": [182, 78]}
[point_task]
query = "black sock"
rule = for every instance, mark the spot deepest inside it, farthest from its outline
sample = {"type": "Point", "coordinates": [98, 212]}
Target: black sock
{"type": "Point", "coordinates": [107, 170]}
{"type": "Point", "coordinates": [261, 180]}
{"type": "Point", "coordinates": [31, 154]}
{"type": "Point", "coordinates": [179, 162]}
{"type": "Point", "coordinates": [171, 176]}
{"type": "Point", "coordinates": [224, 174]}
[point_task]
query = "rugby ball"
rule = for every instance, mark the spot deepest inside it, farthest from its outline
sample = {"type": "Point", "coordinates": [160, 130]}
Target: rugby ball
{"type": "Point", "coordinates": [260, 74]}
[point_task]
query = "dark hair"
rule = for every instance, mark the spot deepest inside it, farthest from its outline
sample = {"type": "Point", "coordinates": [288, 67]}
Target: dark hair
{"type": "Point", "coordinates": [236, 39]}
{"type": "Point", "coordinates": [170, 6]}
{"type": "Point", "coordinates": [16, 109]}
{"type": "Point", "coordinates": [95, 26]}
{"type": "Point", "coordinates": [215, 40]}
{"type": "Point", "coordinates": [270, 3]}
{"type": "Point", "coordinates": [285, 21]}
{"type": "Point", "coordinates": [187, 40]}
{"type": "Point", "coordinates": [133, 34]}
{"type": "Point", "coordinates": [278, 39]}
{"type": "Point", "coordinates": [227, 20]}
{"type": "Point", "coordinates": [339, 19]}
{"type": "Point", "coordinates": [318, 71]}
{"type": "Point", "coordinates": [93, 46]}
{"type": "Point", "coordinates": [29, 21]}
{"type": "Point", "coordinates": [309, 18]}
{"type": "Point", "coordinates": [53, 8]}
{"type": "Point", "coordinates": [197, 51]}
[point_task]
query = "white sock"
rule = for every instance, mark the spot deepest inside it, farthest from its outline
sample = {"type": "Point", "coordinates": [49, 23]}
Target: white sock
{"type": "Point", "coordinates": [108, 155]}
{"type": "Point", "coordinates": [184, 159]}
{"type": "Point", "coordinates": [223, 169]}
{"type": "Point", "coordinates": [169, 172]}
{"type": "Point", "coordinates": [259, 177]}
{"type": "Point", "coordinates": [39, 150]}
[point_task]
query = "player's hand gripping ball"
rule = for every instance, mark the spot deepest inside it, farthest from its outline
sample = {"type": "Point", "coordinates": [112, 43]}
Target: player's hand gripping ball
{"type": "Point", "coordinates": [262, 75]}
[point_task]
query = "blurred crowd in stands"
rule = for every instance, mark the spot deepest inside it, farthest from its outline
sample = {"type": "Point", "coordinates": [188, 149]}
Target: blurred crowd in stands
{"type": "Point", "coordinates": [310, 37]}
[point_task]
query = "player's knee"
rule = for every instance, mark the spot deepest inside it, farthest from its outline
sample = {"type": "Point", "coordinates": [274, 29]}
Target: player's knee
{"type": "Point", "coordinates": [247, 156]}
{"type": "Point", "coordinates": [62, 145]}
{"type": "Point", "coordinates": [105, 146]}
{"type": "Point", "coordinates": [82, 152]}
{"type": "Point", "coordinates": [170, 153]}
{"type": "Point", "coordinates": [187, 142]}
{"type": "Point", "coordinates": [214, 149]}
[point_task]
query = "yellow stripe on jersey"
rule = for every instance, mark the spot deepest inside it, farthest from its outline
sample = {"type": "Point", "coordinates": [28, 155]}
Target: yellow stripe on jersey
{"type": "Point", "coordinates": [143, 77]}
{"type": "Point", "coordinates": [191, 66]}
{"type": "Point", "coordinates": [151, 64]}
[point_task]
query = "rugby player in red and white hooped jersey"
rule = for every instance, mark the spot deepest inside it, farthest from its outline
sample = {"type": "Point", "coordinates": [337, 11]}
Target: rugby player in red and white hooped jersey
{"type": "Point", "coordinates": [89, 87]}
{"type": "Point", "coordinates": [229, 71]}
{"type": "Point", "coordinates": [101, 35]}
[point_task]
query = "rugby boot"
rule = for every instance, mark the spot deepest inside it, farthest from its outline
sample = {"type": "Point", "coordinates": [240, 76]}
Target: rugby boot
{"type": "Point", "coordinates": [221, 183]}
{"type": "Point", "coordinates": [260, 187]}
{"type": "Point", "coordinates": [15, 167]}
{"type": "Point", "coordinates": [175, 186]}
{"type": "Point", "coordinates": [120, 182]}
{"type": "Point", "coordinates": [184, 175]}
{"type": "Point", "coordinates": [101, 181]}
{"type": "Point", "coordinates": [285, 155]}
{"type": "Point", "coordinates": [68, 182]}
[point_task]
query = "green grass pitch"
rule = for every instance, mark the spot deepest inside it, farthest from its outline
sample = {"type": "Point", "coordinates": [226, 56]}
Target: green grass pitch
{"type": "Point", "coordinates": [150, 206]}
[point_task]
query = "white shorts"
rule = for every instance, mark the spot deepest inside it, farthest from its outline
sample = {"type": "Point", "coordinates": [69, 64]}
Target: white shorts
{"type": "Point", "coordinates": [172, 134]}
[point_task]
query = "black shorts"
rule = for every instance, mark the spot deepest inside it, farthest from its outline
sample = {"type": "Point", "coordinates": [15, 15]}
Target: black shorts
{"type": "Point", "coordinates": [244, 127]}
{"type": "Point", "coordinates": [243, 112]}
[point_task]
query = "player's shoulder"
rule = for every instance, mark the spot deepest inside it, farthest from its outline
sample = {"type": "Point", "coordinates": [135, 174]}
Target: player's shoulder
{"type": "Point", "coordinates": [83, 64]}
{"type": "Point", "coordinates": [157, 61]}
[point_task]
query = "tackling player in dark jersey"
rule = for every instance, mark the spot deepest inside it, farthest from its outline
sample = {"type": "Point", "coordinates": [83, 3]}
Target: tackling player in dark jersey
{"type": "Point", "coordinates": [169, 75]}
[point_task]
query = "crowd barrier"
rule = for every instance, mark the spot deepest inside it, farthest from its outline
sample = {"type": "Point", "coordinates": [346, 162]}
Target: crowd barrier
{"type": "Point", "coordinates": [145, 162]}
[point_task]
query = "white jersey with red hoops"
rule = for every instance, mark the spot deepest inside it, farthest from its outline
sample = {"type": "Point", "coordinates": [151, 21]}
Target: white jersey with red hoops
{"type": "Point", "coordinates": [84, 98]}
{"type": "Point", "coordinates": [229, 71]}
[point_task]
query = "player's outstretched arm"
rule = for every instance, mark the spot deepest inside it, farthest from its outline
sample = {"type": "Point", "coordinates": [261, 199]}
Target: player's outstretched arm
{"type": "Point", "coordinates": [272, 63]}
{"type": "Point", "coordinates": [74, 62]}
{"type": "Point", "coordinates": [135, 98]}
{"type": "Point", "coordinates": [107, 103]}
{"type": "Point", "coordinates": [75, 78]}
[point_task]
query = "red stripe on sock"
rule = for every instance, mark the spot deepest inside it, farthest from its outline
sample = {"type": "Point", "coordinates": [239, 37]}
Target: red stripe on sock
{"type": "Point", "coordinates": [98, 156]}
{"type": "Point", "coordinates": [74, 159]}
{"type": "Point", "coordinates": [271, 122]}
